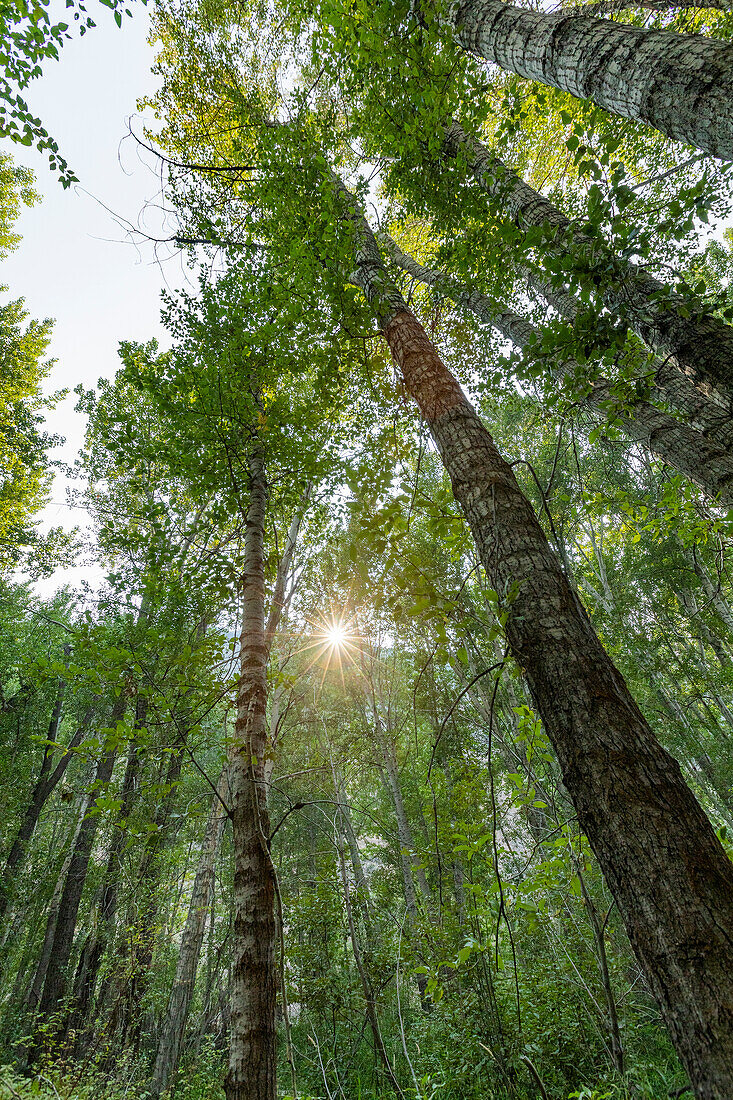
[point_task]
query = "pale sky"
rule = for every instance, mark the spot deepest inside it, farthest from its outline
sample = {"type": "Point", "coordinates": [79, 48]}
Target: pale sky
{"type": "Point", "coordinates": [76, 263]}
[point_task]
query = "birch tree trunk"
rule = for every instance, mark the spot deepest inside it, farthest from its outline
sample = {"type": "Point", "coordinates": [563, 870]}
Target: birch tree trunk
{"type": "Point", "coordinates": [666, 869]}
{"type": "Point", "coordinates": [700, 345]}
{"type": "Point", "coordinates": [252, 1054]}
{"type": "Point", "coordinates": [681, 84]}
{"type": "Point", "coordinates": [408, 862]}
{"type": "Point", "coordinates": [712, 589]}
{"type": "Point", "coordinates": [686, 450]}
{"type": "Point", "coordinates": [179, 1001]}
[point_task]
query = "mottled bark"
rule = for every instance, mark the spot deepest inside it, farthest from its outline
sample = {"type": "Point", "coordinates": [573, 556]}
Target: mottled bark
{"type": "Point", "coordinates": [710, 466]}
{"type": "Point", "coordinates": [696, 343]}
{"type": "Point", "coordinates": [610, 7]}
{"type": "Point", "coordinates": [179, 1001]}
{"type": "Point", "coordinates": [48, 779]}
{"type": "Point", "coordinates": [252, 1054]}
{"type": "Point", "coordinates": [681, 84]}
{"type": "Point", "coordinates": [666, 869]}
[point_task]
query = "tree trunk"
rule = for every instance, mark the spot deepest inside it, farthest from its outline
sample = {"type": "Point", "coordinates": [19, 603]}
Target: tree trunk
{"type": "Point", "coordinates": [97, 940]}
{"type": "Point", "coordinates": [126, 1017]}
{"type": "Point", "coordinates": [366, 984]}
{"type": "Point", "coordinates": [611, 7]}
{"type": "Point", "coordinates": [179, 1001]}
{"type": "Point", "coordinates": [35, 989]}
{"type": "Point", "coordinates": [700, 345]}
{"type": "Point", "coordinates": [667, 870]}
{"type": "Point", "coordinates": [252, 1055]}
{"type": "Point", "coordinates": [712, 588]}
{"type": "Point", "coordinates": [48, 779]}
{"type": "Point", "coordinates": [681, 84]}
{"type": "Point", "coordinates": [56, 983]}
{"type": "Point", "coordinates": [667, 383]}
{"type": "Point", "coordinates": [686, 450]}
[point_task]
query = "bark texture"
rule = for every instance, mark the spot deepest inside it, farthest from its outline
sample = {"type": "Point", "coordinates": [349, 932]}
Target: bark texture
{"type": "Point", "coordinates": [681, 84]}
{"type": "Point", "coordinates": [701, 460]}
{"type": "Point", "coordinates": [252, 1054]}
{"type": "Point", "coordinates": [610, 7]}
{"type": "Point", "coordinates": [699, 345]}
{"type": "Point", "coordinates": [668, 873]}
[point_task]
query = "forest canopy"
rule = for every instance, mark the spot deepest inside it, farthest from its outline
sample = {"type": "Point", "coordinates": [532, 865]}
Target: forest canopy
{"type": "Point", "coordinates": [390, 755]}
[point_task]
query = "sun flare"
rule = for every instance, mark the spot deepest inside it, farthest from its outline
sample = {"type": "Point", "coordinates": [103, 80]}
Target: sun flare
{"type": "Point", "coordinates": [336, 636]}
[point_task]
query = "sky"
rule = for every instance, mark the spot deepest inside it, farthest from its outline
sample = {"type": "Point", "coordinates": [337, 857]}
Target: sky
{"type": "Point", "coordinates": [77, 261]}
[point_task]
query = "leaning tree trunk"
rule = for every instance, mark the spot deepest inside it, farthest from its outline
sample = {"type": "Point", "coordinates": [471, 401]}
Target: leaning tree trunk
{"type": "Point", "coordinates": [697, 343]}
{"type": "Point", "coordinates": [55, 986]}
{"type": "Point", "coordinates": [33, 993]}
{"type": "Point", "coordinates": [96, 943]}
{"type": "Point", "coordinates": [49, 778]}
{"type": "Point", "coordinates": [682, 84]}
{"type": "Point", "coordinates": [689, 452]}
{"type": "Point", "coordinates": [179, 1001]}
{"type": "Point", "coordinates": [252, 1054]}
{"type": "Point", "coordinates": [666, 382]}
{"type": "Point", "coordinates": [667, 870]}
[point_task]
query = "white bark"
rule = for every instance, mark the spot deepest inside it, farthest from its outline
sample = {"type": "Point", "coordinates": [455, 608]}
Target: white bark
{"type": "Point", "coordinates": [682, 84]}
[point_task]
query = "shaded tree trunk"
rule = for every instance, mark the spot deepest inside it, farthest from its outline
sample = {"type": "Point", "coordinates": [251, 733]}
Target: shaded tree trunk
{"type": "Point", "coordinates": [48, 779]}
{"type": "Point", "coordinates": [666, 382]}
{"type": "Point", "coordinates": [179, 1001]}
{"type": "Point", "coordinates": [681, 84]}
{"type": "Point", "coordinates": [666, 869]}
{"type": "Point", "coordinates": [126, 1016]}
{"type": "Point", "coordinates": [97, 940]}
{"type": "Point", "coordinates": [55, 987]}
{"type": "Point", "coordinates": [35, 989]}
{"type": "Point", "coordinates": [252, 1054]}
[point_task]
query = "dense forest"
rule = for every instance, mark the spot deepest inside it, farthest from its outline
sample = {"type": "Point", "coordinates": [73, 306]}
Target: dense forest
{"type": "Point", "coordinates": [392, 755]}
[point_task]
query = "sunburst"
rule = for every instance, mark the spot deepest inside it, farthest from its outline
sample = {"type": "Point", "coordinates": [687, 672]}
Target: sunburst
{"type": "Point", "coordinates": [336, 644]}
